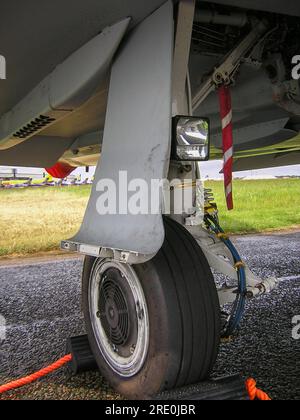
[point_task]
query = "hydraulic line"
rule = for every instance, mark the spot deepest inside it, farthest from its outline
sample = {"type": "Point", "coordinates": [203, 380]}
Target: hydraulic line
{"type": "Point", "coordinates": [237, 312]}
{"type": "Point", "coordinates": [211, 17]}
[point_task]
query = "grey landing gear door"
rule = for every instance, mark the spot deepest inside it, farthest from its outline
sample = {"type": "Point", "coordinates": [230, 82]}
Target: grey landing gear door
{"type": "Point", "coordinates": [136, 143]}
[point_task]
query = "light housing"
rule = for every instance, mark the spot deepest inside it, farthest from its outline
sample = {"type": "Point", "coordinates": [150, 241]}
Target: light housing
{"type": "Point", "coordinates": [191, 138]}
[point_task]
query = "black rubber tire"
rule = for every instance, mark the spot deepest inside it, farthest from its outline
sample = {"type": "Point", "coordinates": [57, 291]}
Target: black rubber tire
{"type": "Point", "coordinates": [184, 316]}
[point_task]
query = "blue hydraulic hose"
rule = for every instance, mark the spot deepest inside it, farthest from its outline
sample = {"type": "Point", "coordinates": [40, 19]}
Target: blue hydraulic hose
{"type": "Point", "coordinates": [239, 305]}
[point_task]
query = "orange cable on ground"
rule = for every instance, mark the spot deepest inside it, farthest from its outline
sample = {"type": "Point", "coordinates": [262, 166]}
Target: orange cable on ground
{"type": "Point", "coordinates": [254, 392]}
{"type": "Point", "coordinates": [32, 378]}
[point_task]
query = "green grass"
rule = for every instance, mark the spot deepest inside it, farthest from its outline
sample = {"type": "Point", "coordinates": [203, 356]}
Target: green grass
{"type": "Point", "coordinates": [260, 205]}
{"type": "Point", "coordinates": [35, 220]}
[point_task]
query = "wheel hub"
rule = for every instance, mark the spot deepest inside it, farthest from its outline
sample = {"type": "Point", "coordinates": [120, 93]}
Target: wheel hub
{"type": "Point", "coordinates": [115, 316]}
{"type": "Point", "coordinates": [117, 299]}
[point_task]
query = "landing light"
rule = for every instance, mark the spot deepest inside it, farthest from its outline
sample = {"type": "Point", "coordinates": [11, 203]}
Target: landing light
{"type": "Point", "coordinates": [191, 138]}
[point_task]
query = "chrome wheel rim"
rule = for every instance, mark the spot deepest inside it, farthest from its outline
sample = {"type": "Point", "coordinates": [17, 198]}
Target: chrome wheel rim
{"type": "Point", "coordinates": [119, 316]}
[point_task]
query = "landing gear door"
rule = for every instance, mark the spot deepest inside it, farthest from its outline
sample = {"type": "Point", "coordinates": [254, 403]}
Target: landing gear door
{"type": "Point", "coordinates": [136, 143]}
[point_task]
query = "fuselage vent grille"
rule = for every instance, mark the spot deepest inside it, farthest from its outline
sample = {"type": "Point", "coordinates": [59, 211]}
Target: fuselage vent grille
{"type": "Point", "coordinates": [35, 125]}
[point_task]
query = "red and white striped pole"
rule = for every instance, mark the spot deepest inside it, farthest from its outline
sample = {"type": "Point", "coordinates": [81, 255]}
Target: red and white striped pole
{"type": "Point", "coordinates": [227, 135]}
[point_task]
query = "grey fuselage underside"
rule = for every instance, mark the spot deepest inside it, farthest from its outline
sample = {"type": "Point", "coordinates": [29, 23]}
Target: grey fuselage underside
{"type": "Point", "coordinates": [36, 38]}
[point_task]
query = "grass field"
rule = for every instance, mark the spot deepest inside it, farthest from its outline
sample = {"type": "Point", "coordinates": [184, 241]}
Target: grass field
{"type": "Point", "coordinates": [260, 205]}
{"type": "Point", "coordinates": [36, 220]}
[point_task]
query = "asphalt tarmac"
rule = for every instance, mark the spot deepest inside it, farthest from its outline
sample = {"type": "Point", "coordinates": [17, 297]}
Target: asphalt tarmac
{"type": "Point", "coordinates": [40, 301]}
